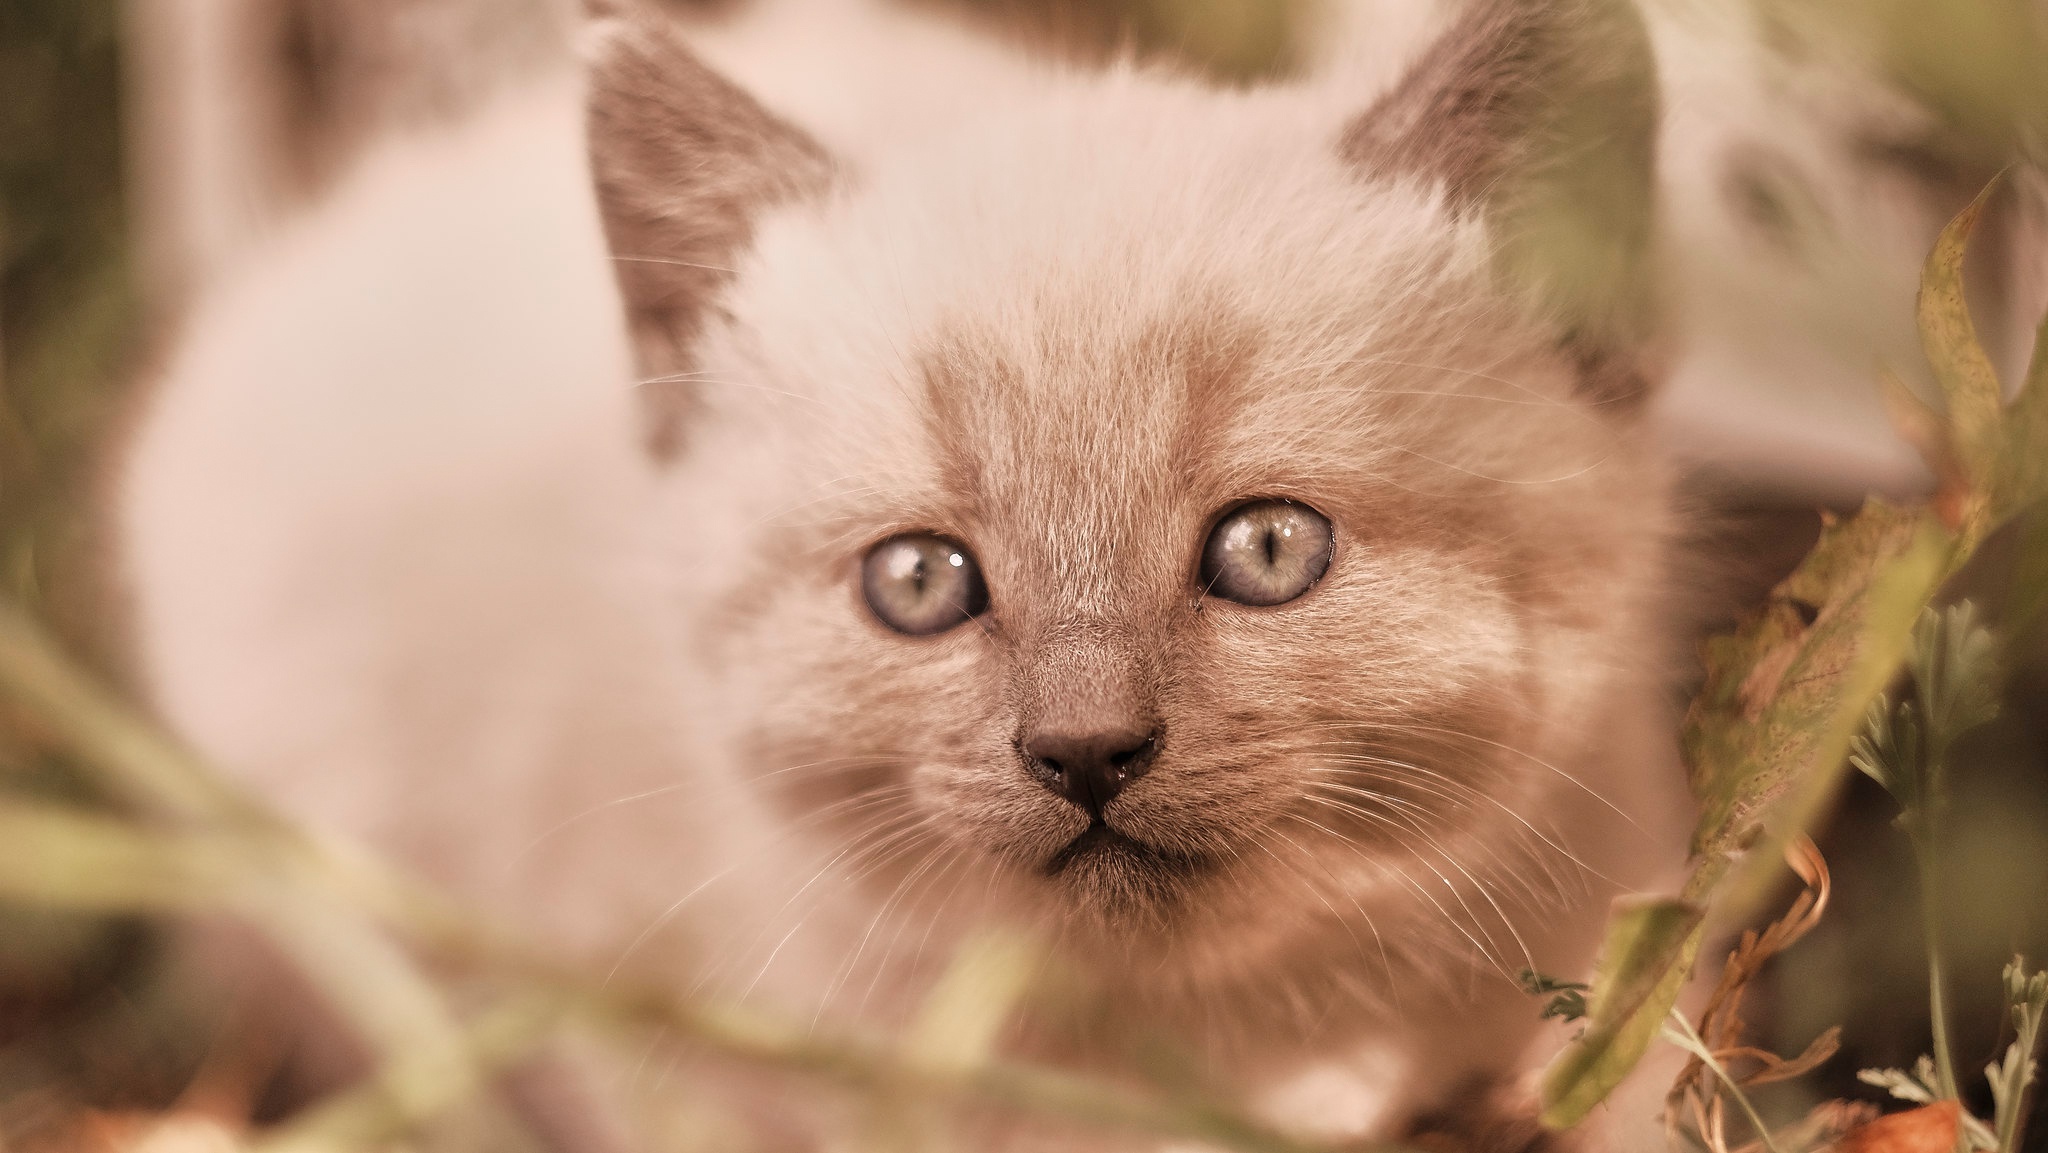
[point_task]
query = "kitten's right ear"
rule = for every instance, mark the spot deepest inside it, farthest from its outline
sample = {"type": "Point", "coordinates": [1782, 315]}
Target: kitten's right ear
{"type": "Point", "coordinates": [684, 163]}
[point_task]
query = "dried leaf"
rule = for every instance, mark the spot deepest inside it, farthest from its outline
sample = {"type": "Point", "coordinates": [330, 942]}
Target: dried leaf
{"type": "Point", "coordinates": [1776, 1068]}
{"type": "Point", "coordinates": [1720, 1023]}
{"type": "Point", "coordinates": [1784, 694]}
{"type": "Point", "coordinates": [1827, 1123]}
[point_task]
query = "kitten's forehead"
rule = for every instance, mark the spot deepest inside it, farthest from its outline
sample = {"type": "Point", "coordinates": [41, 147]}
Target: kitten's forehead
{"type": "Point", "coordinates": [1076, 343]}
{"type": "Point", "coordinates": [1080, 445]}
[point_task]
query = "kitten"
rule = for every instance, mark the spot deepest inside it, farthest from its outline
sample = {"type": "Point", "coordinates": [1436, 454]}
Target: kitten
{"type": "Point", "coordinates": [1207, 531]}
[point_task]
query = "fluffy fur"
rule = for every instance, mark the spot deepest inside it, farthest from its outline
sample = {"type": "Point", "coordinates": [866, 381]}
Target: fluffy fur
{"type": "Point", "coordinates": [399, 560]}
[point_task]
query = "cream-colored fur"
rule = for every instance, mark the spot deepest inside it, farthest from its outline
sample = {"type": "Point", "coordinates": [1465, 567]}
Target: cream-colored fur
{"type": "Point", "coordinates": [372, 520]}
{"type": "Point", "coordinates": [399, 562]}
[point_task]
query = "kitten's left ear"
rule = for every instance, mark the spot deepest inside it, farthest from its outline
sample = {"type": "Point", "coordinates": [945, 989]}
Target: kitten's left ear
{"type": "Point", "coordinates": [684, 163]}
{"type": "Point", "coordinates": [1540, 116]}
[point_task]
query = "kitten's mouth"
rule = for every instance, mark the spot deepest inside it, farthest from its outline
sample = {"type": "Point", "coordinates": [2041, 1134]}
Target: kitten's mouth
{"type": "Point", "coordinates": [1099, 840]}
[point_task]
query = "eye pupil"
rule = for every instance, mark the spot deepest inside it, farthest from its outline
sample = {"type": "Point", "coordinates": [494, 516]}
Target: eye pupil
{"type": "Point", "coordinates": [1266, 552]}
{"type": "Point", "coordinates": [908, 589]}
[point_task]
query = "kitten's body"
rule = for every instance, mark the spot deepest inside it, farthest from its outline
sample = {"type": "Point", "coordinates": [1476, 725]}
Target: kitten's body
{"type": "Point", "coordinates": [398, 562]}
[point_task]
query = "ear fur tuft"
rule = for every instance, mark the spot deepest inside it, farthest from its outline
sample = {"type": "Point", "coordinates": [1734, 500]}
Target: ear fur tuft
{"type": "Point", "coordinates": [684, 162]}
{"type": "Point", "coordinates": [1541, 117]}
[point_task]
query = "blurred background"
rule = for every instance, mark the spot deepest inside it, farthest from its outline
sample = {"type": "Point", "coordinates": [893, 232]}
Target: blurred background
{"type": "Point", "coordinates": [144, 146]}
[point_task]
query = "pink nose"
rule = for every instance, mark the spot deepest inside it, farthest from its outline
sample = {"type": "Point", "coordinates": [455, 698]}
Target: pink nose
{"type": "Point", "coordinates": [1090, 769]}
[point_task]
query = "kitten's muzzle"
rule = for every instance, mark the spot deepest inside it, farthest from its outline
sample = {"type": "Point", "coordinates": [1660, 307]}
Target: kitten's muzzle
{"type": "Point", "coordinates": [1089, 769]}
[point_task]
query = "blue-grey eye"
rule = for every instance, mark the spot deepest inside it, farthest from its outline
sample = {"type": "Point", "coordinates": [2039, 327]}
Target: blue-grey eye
{"type": "Point", "coordinates": [1267, 552]}
{"type": "Point", "coordinates": [921, 584]}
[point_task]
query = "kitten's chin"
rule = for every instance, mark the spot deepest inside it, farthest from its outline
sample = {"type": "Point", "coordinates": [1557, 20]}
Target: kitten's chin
{"type": "Point", "coordinates": [1121, 883]}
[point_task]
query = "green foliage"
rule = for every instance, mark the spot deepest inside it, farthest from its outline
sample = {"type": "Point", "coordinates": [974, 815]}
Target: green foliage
{"type": "Point", "coordinates": [1888, 750]}
{"type": "Point", "coordinates": [1916, 1087]}
{"type": "Point", "coordinates": [1956, 685]}
{"type": "Point", "coordinates": [1923, 1086]}
{"type": "Point", "coordinates": [2026, 998]}
{"type": "Point", "coordinates": [1785, 696]}
{"type": "Point", "coordinates": [1955, 675]}
{"type": "Point", "coordinates": [1976, 62]}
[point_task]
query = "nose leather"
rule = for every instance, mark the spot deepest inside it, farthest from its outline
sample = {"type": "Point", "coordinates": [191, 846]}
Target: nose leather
{"type": "Point", "coordinates": [1089, 720]}
{"type": "Point", "coordinates": [1090, 768]}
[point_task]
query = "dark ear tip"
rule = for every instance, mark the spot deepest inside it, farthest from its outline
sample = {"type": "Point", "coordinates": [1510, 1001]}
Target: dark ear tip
{"type": "Point", "coordinates": [615, 31]}
{"type": "Point", "coordinates": [684, 163]}
{"type": "Point", "coordinates": [1541, 117]}
{"type": "Point", "coordinates": [622, 39]}
{"type": "Point", "coordinates": [1504, 75]}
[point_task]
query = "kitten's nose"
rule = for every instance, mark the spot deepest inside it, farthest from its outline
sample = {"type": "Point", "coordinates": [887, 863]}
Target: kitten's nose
{"type": "Point", "coordinates": [1090, 769]}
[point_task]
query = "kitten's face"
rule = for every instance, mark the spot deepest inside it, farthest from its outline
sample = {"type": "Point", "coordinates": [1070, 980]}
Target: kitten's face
{"type": "Point", "coordinates": [1068, 364]}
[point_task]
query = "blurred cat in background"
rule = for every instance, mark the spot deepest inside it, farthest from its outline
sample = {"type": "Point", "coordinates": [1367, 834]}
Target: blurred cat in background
{"type": "Point", "coordinates": [824, 486]}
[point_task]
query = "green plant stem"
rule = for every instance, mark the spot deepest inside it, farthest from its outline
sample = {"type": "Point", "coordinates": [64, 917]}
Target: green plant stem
{"type": "Point", "coordinates": [2012, 1120]}
{"type": "Point", "coordinates": [131, 758]}
{"type": "Point", "coordinates": [1928, 858]}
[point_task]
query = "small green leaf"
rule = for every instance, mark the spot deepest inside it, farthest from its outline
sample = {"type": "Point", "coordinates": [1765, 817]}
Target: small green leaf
{"type": "Point", "coordinates": [1645, 961]}
{"type": "Point", "coordinates": [1899, 1083]}
{"type": "Point", "coordinates": [1955, 673]}
{"type": "Point", "coordinates": [1888, 749]}
{"type": "Point", "coordinates": [1567, 999]}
